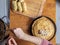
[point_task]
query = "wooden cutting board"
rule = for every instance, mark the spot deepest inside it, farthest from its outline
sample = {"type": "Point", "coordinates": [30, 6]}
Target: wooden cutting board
{"type": "Point", "coordinates": [33, 8]}
{"type": "Point", "coordinates": [24, 22]}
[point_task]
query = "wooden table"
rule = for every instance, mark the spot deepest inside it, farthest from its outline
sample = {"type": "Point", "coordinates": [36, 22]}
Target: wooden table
{"type": "Point", "coordinates": [24, 22]}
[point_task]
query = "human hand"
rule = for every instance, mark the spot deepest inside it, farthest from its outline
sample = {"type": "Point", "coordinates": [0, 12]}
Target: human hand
{"type": "Point", "coordinates": [19, 33]}
{"type": "Point", "coordinates": [12, 42]}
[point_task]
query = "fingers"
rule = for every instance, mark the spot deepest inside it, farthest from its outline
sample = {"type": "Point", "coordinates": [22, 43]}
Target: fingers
{"type": "Point", "coordinates": [18, 31]}
{"type": "Point", "coordinates": [9, 42]}
{"type": "Point", "coordinates": [12, 42]}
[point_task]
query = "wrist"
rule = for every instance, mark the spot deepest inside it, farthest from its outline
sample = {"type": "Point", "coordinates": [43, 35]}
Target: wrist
{"type": "Point", "coordinates": [33, 39]}
{"type": "Point", "coordinates": [22, 36]}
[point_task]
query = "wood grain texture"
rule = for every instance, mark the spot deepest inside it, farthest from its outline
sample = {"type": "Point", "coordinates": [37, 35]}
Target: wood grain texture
{"type": "Point", "coordinates": [24, 22]}
{"type": "Point", "coordinates": [33, 8]}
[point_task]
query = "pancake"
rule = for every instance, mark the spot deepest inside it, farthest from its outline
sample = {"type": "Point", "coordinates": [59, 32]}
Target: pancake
{"type": "Point", "coordinates": [43, 28]}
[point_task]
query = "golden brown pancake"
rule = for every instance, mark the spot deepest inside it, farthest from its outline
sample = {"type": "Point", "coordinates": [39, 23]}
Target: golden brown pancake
{"type": "Point", "coordinates": [43, 28]}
